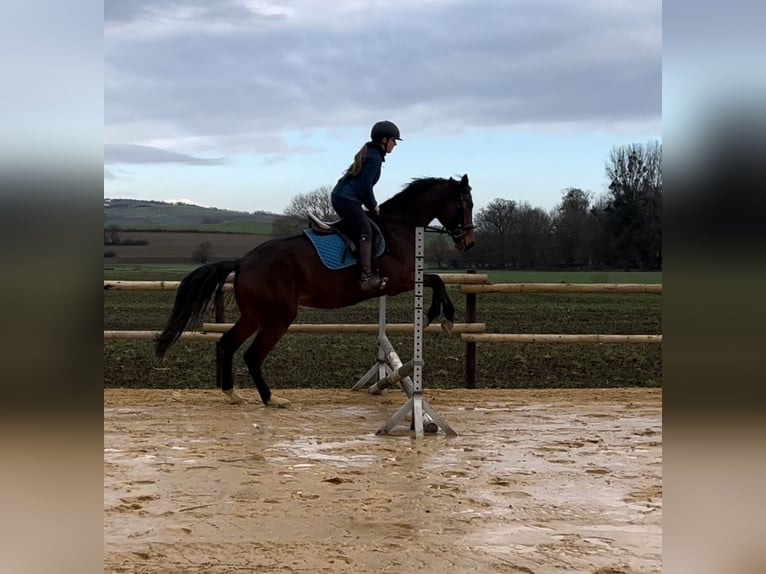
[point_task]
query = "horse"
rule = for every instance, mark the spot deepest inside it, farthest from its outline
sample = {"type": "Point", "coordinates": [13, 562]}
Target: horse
{"type": "Point", "coordinates": [277, 277]}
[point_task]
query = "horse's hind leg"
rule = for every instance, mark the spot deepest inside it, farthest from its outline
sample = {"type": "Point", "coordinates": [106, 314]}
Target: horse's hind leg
{"type": "Point", "coordinates": [449, 309]}
{"type": "Point", "coordinates": [440, 302]}
{"type": "Point", "coordinates": [255, 355]}
{"type": "Point", "coordinates": [225, 349]}
{"type": "Point", "coordinates": [434, 282]}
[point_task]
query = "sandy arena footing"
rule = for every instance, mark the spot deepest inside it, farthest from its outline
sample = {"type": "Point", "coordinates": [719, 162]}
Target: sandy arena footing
{"type": "Point", "coordinates": [537, 482]}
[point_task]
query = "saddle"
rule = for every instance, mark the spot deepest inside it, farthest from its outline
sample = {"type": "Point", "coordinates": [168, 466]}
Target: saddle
{"type": "Point", "coordinates": [339, 227]}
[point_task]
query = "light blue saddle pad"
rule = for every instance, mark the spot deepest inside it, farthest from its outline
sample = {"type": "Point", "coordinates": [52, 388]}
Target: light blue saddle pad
{"type": "Point", "coordinates": [333, 252]}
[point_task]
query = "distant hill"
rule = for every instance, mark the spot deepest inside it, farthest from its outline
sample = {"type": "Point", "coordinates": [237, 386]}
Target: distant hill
{"type": "Point", "coordinates": [138, 214]}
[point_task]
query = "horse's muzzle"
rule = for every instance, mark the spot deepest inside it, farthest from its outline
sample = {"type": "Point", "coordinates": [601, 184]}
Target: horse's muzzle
{"type": "Point", "coordinates": [465, 242]}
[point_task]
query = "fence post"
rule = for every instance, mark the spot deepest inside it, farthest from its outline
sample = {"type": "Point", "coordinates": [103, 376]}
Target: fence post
{"type": "Point", "coordinates": [220, 317]}
{"type": "Point", "coordinates": [470, 348]}
{"type": "Point", "coordinates": [220, 312]}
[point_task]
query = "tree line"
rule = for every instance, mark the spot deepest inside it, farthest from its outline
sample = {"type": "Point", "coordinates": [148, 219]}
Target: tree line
{"type": "Point", "coordinates": [621, 229]}
{"type": "Point", "coordinates": [112, 237]}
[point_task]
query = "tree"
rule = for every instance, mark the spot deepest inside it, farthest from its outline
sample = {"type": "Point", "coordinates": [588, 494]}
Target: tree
{"type": "Point", "coordinates": [635, 205]}
{"type": "Point", "coordinates": [493, 225]}
{"type": "Point", "coordinates": [572, 228]}
{"type": "Point", "coordinates": [203, 252]}
{"type": "Point", "coordinates": [297, 212]}
{"type": "Point", "coordinates": [531, 237]}
{"type": "Point", "coordinates": [317, 202]}
{"type": "Point", "coordinates": [111, 235]}
{"type": "Point", "coordinates": [496, 217]}
{"type": "Point", "coordinates": [602, 250]}
{"type": "Point", "coordinates": [438, 250]}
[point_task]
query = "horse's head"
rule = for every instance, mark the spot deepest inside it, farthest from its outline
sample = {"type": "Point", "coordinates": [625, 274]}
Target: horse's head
{"type": "Point", "coordinates": [429, 198]}
{"type": "Point", "coordinates": [456, 213]}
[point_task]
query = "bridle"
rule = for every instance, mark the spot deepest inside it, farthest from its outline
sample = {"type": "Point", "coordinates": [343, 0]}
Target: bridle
{"type": "Point", "coordinates": [459, 231]}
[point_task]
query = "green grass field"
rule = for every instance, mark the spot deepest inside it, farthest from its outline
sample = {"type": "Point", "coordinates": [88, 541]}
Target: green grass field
{"type": "Point", "coordinates": [143, 272]}
{"type": "Point", "coordinates": [151, 272]}
{"type": "Point", "coordinates": [302, 360]}
{"type": "Point", "coordinates": [643, 277]}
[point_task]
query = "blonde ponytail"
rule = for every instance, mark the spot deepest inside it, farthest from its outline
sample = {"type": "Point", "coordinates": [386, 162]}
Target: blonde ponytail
{"type": "Point", "coordinates": [356, 165]}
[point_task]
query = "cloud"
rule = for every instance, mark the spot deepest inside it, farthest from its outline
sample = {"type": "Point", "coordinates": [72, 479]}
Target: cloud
{"type": "Point", "coordinates": [109, 174]}
{"type": "Point", "coordinates": [160, 16]}
{"type": "Point", "coordinates": [274, 160]}
{"type": "Point", "coordinates": [141, 154]}
{"type": "Point", "coordinates": [236, 75]}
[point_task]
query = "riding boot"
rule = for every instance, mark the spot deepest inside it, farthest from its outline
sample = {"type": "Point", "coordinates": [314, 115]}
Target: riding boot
{"type": "Point", "coordinates": [368, 281]}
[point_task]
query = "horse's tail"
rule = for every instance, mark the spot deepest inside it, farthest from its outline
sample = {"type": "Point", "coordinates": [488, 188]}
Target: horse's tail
{"type": "Point", "coordinates": [192, 298]}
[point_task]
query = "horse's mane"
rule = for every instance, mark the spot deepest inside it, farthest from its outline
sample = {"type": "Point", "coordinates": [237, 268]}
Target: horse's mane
{"type": "Point", "coordinates": [415, 187]}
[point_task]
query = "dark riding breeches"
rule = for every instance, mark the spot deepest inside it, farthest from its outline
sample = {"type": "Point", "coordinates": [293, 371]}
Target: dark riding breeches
{"type": "Point", "coordinates": [355, 217]}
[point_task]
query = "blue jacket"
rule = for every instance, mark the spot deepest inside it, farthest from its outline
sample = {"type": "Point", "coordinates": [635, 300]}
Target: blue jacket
{"type": "Point", "coordinates": [359, 187]}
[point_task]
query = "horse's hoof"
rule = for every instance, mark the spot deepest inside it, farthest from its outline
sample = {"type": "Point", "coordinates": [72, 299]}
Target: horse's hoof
{"type": "Point", "coordinates": [234, 397]}
{"type": "Point", "coordinates": [278, 402]}
{"type": "Point", "coordinates": [446, 325]}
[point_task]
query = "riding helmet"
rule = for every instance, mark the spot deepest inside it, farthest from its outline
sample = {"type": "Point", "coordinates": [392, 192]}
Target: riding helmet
{"type": "Point", "coordinates": [384, 129]}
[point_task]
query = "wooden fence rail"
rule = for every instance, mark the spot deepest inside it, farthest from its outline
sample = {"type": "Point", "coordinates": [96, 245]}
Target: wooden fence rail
{"type": "Point", "coordinates": [471, 339]}
{"type": "Point", "coordinates": [471, 331]}
{"type": "Point", "coordinates": [117, 285]}
{"type": "Point", "coordinates": [563, 288]}
{"type": "Point", "coordinates": [150, 335]}
{"type": "Point", "coordinates": [356, 328]}
{"type": "Point", "coordinates": [215, 330]}
{"type": "Point", "coordinates": [554, 338]}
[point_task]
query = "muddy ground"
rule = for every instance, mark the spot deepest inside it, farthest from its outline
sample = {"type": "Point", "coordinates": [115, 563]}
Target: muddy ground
{"type": "Point", "coordinates": [537, 481]}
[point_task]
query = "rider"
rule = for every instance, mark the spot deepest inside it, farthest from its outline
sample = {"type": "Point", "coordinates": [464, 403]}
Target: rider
{"type": "Point", "coordinates": [354, 189]}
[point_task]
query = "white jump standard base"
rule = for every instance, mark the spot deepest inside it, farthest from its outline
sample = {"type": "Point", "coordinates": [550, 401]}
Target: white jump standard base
{"type": "Point", "coordinates": [416, 405]}
{"type": "Point", "coordinates": [388, 360]}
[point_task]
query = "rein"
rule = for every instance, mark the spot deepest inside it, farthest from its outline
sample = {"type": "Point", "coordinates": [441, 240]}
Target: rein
{"type": "Point", "coordinates": [432, 229]}
{"type": "Point", "coordinates": [457, 232]}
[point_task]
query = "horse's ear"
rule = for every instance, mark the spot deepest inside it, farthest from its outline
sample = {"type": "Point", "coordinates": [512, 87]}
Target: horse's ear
{"type": "Point", "coordinates": [464, 180]}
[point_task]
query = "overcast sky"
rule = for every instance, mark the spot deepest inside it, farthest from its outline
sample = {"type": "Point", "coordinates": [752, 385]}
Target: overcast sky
{"type": "Point", "coordinates": [243, 104]}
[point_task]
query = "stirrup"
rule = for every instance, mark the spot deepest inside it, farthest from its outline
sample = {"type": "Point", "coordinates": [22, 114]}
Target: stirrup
{"type": "Point", "coordinates": [370, 282]}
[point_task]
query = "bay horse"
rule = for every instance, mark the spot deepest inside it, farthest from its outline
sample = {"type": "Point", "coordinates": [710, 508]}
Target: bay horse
{"type": "Point", "coordinates": [273, 280]}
